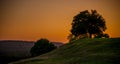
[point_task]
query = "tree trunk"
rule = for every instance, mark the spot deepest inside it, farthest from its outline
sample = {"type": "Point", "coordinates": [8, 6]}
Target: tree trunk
{"type": "Point", "coordinates": [90, 35]}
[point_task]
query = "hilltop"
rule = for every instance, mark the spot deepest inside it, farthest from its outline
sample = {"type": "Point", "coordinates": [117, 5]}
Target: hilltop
{"type": "Point", "coordinates": [82, 51]}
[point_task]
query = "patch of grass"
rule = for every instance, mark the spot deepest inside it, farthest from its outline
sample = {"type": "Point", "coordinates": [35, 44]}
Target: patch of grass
{"type": "Point", "coordinates": [82, 51]}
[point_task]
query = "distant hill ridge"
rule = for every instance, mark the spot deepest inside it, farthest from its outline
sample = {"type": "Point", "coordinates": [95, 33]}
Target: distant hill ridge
{"type": "Point", "coordinates": [16, 41]}
{"type": "Point", "coordinates": [58, 44]}
{"type": "Point", "coordinates": [18, 48]}
{"type": "Point", "coordinates": [11, 47]}
{"type": "Point", "coordinates": [15, 48]}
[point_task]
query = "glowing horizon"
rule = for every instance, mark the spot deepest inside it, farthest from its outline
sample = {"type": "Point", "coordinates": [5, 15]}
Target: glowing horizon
{"type": "Point", "coordinates": [51, 19]}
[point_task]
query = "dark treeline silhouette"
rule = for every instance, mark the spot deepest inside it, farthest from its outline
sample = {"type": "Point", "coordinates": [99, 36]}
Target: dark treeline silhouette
{"type": "Point", "coordinates": [88, 24]}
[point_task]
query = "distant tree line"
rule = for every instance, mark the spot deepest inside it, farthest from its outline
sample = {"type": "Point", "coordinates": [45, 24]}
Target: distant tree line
{"type": "Point", "coordinates": [88, 25]}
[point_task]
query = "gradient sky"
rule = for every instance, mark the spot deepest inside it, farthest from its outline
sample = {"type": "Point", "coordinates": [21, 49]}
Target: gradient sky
{"type": "Point", "coordinates": [34, 19]}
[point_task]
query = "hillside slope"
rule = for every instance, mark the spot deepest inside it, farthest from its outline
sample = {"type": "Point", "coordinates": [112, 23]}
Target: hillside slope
{"type": "Point", "coordinates": [83, 51]}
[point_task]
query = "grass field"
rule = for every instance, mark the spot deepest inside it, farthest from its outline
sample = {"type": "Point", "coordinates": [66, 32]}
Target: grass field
{"type": "Point", "coordinates": [82, 51]}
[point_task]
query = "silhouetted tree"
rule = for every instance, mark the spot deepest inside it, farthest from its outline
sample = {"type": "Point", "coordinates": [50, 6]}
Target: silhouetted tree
{"type": "Point", "coordinates": [88, 24]}
{"type": "Point", "coordinates": [42, 46]}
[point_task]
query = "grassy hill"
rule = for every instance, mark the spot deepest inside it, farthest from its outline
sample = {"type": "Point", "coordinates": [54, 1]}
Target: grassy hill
{"type": "Point", "coordinates": [83, 51]}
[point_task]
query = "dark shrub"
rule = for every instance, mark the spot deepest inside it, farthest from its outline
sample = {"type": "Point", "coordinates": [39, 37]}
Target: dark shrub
{"type": "Point", "coordinates": [42, 46]}
{"type": "Point", "coordinates": [106, 36]}
{"type": "Point", "coordinates": [102, 36]}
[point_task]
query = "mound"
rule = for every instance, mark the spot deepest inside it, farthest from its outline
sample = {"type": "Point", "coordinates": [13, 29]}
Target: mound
{"type": "Point", "coordinates": [82, 51]}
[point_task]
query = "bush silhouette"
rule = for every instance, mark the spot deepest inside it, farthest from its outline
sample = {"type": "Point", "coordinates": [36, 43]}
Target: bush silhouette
{"type": "Point", "coordinates": [102, 36]}
{"type": "Point", "coordinates": [42, 46]}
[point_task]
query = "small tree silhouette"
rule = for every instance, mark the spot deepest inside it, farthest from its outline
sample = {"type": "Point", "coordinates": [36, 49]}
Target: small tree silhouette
{"type": "Point", "coordinates": [88, 24]}
{"type": "Point", "coordinates": [42, 46]}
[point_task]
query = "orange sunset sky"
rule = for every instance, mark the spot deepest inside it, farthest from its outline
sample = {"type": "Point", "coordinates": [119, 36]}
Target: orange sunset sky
{"type": "Point", "coordinates": [34, 19]}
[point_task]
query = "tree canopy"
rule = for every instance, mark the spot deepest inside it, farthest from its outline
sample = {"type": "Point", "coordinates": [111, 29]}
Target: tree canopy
{"type": "Point", "coordinates": [88, 24]}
